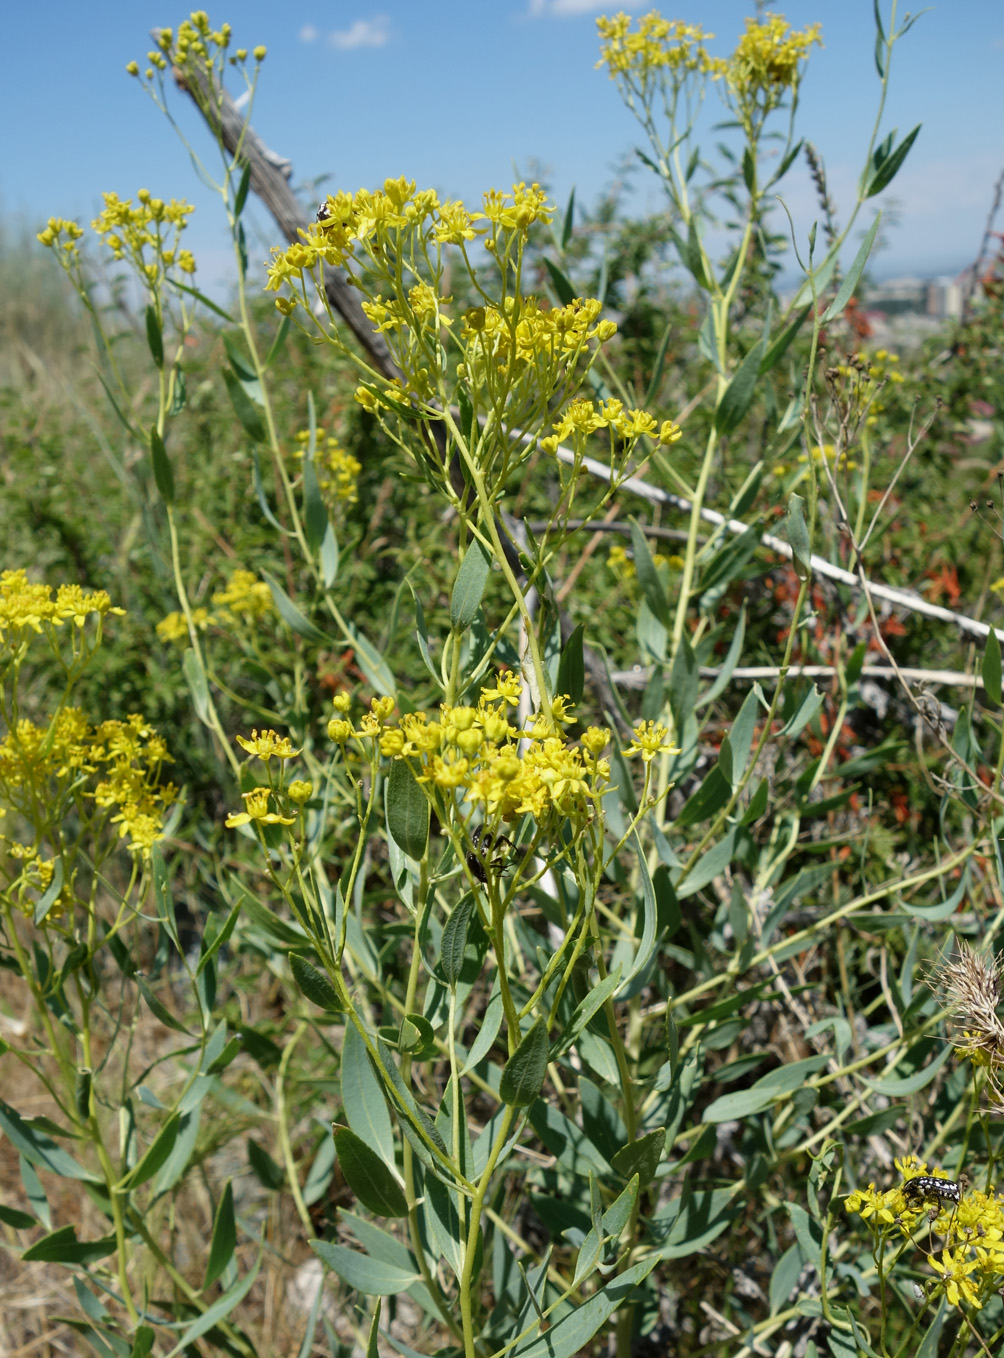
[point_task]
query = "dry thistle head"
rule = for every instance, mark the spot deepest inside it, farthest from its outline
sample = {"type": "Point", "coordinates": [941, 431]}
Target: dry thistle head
{"type": "Point", "coordinates": [973, 988]}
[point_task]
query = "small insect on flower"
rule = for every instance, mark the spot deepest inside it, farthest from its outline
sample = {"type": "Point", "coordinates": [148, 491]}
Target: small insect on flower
{"type": "Point", "coordinates": [323, 212]}
{"type": "Point", "coordinates": [485, 843]}
{"type": "Point", "coordinates": [927, 1188]}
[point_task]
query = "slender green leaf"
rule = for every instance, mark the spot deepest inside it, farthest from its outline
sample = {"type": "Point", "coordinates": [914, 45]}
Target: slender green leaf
{"type": "Point", "coordinates": [154, 336]}
{"type": "Point", "coordinates": [372, 1181]}
{"type": "Point", "coordinates": [278, 343]}
{"type": "Point", "coordinates": [290, 613]}
{"type": "Point", "coordinates": [223, 1241]}
{"type": "Point", "coordinates": [797, 533]}
{"type": "Point", "coordinates": [49, 897]}
{"type": "Point", "coordinates": [269, 1174]}
{"type": "Point", "coordinates": [259, 490]}
{"type": "Point", "coordinates": [217, 943]}
{"type": "Point", "coordinates": [454, 944]}
{"type": "Point", "coordinates": [469, 586]}
{"type": "Point", "coordinates": [63, 1247]}
{"type": "Point", "coordinates": [11, 1216]}
{"type": "Point", "coordinates": [567, 224]}
{"type": "Point", "coordinates": [885, 170]}
{"type": "Point", "coordinates": [244, 408]}
{"type": "Point", "coordinates": [684, 679]}
{"type": "Point", "coordinates": [523, 1074]}
{"type": "Point", "coordinates": [407, 810]}
{"type": "Point", "coordinates": [857, 268]}
{"type": "Point", "coordinates": [641, 1158]}
{"type": "Point", "coordinates": [241, 196]}
{"type": "Point", "coordinates": [205, 301]}
{"type": "Point", "coordinates": [365, 1274]}
{"type": "Point", "coordinates": [198, 684]}
{"type": "Point", "coordinates": [158, 1009]}
{"type": "Point", "coordinates": [777, 1084]}
{"type": "Point", "coordinates": [571, 670]}
{"type": "Point", "coordinates": [738, 395]}
{"type": "Point", "coordinates": [154, 1156]}
{"type": "Point", "coordinates": [575, 1329]}
{"type": "Point", "coordinates": [38, 1148]}
{"type": "Point", "coordinates": [162, 474]}
{"type": "Point", "coordinates": [587, 1008]}
{"type": "Point", "coordinates": [363, 1100]}
{"type": "Point", "coordinates": [314, 984]}
{"type": "Point", "coordinates": [648, 576]}
{"type": "Point", "coordinates": [779, 347]}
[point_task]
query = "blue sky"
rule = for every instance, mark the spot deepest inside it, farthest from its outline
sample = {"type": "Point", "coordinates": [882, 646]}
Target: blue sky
{"type": "Point", "coordinates": [461, 94]}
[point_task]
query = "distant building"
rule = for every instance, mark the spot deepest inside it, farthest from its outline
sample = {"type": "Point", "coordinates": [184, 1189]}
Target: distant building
{"type": "Point", "coordinates": [946, 296]}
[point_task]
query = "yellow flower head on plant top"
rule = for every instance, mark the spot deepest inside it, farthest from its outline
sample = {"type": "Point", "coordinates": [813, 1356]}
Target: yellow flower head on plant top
{"type": "Point", "coordinates": [146, 236]}
{"type": "Point", "coordinates": [475, 751]}
{"type": "Point", "coordinates": [62, 236]}
{"type": "Point", "coordinates": [115, 765]}
{"type": "Point", "coordinates": [26, 606]}
{"type": "Point", "coordinates": [256, 809]}
{"type": "Point", "coordinates": [268, 745]}
{"type": "Point", "coordinates": [767, 64]}
{"type": "Point", "coordinates": [651, 738]}
{"type": "Point", "coordinates": [656, 46]}
{"type": "Point", "coordinates": [245, 597]}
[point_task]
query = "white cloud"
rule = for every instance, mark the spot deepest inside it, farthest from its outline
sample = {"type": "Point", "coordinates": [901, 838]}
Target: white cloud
{"type": "Point", "coordinates": [308, 33]}
{"type": "Point", "coordinates": [363, 33]}
{"type": "Point", "coordinates": [566, 9]}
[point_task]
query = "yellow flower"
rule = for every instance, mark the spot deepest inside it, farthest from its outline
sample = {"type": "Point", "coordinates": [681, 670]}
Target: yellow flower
{"type": "Point", "coordinates": [651, 738]}
{"type": "Point", "coordinates": [955, 1271]}
{"type": "Point", "coordinates": [339, 730]}
{"type": "Point", "coordinates": [256, 804]}
{"type": "Point", "coordinates": [268, 744]}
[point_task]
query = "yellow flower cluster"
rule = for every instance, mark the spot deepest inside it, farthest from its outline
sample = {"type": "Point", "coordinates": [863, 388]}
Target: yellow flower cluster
{"type": "Point", "coordinates": [245, 596]}
{"type": "Point", "coordinates": [657, 44]}
{"type": "Point", "coordinates": [400, 223]}
{"type": "Point", "coordinates": [30, 607]}
{"type": "Point", "coordinates": [62, 235]}
{"type": "Point", "coordinates": [47, 765]}
{"type": "Point", "coordinates": [477, 751]}
{"type": "Point", "coordinates": [174, 628]}
{"type": "Point", "coordinates": [525, 346]}
{"type": "Point", "coordinates": [337, 470]}
{"type": "Point", "coordinates": [971, 1267]}
{"type": "Point", "coordinates": [768, 55]}
{"type": "Point", "coordinates": [197, 42]}
{"type": "Point", "coordinates": [148, 235]}
{"type": "Point", "coordinates": [508, 772]}
{"type": "Point", "coordinates": [582, 417]}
